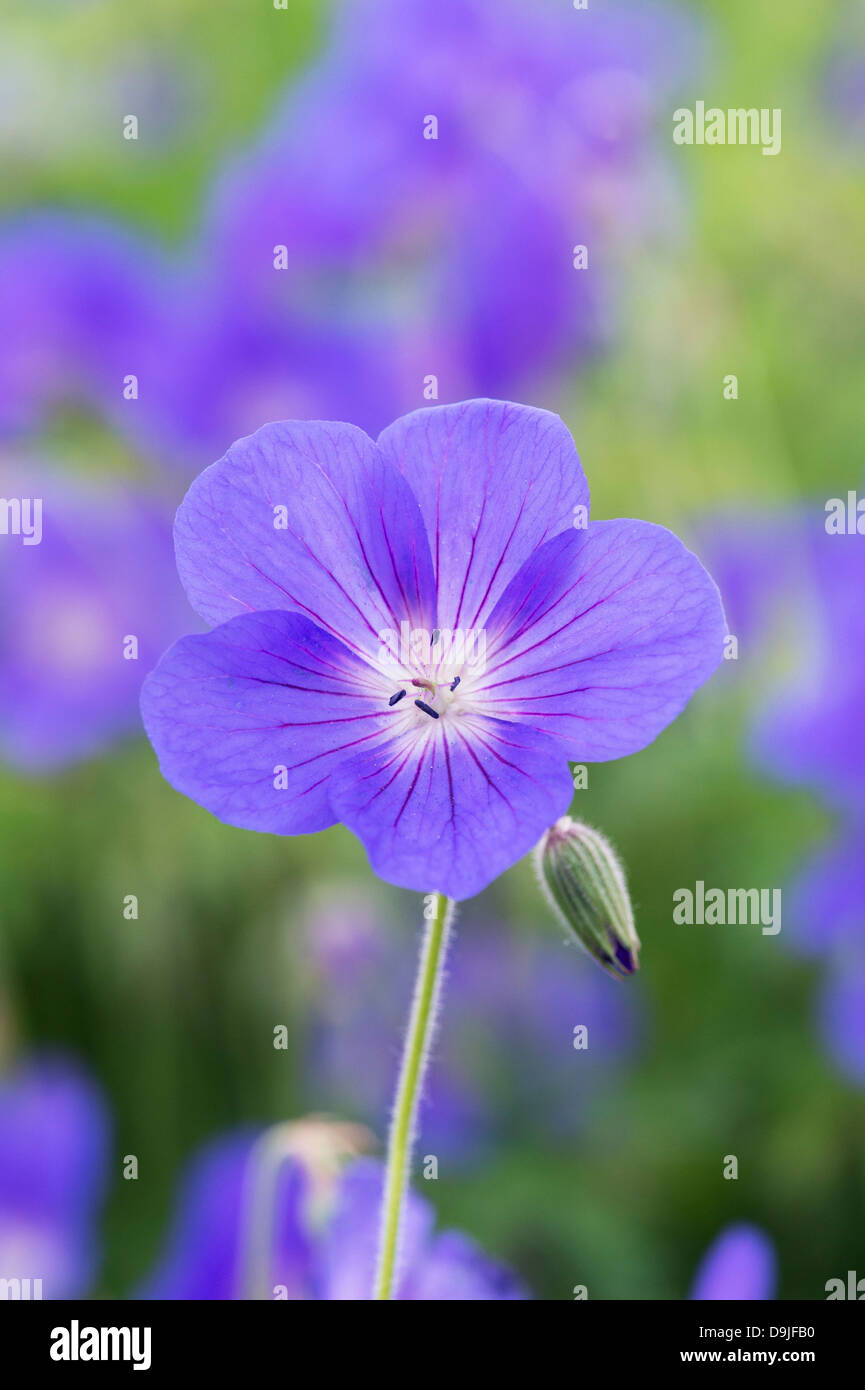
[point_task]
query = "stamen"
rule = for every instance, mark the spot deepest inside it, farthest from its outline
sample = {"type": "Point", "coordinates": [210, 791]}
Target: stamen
{"type": "Point", "coordinates": [455, 682]}
{"type": "Point", "coordinates": [425, 685]}
{"type": "Point", "coordinates": [426, 709]}
{"type": "Point", "coordinates": [395, 699]}
{"type": "Point", "coordinates": [435, 636]}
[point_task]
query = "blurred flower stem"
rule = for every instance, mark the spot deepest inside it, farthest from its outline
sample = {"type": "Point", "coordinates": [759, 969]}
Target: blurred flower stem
{"type": "Point", "coordinates": [438, 915]}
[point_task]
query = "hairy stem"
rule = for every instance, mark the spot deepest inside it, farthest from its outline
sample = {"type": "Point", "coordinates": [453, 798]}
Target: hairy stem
{"type": "Point", "coordinates": [438, 912]}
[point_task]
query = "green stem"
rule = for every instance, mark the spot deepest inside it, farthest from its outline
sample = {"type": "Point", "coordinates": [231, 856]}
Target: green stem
{"type": "Point", "coordinates": [428, 984]}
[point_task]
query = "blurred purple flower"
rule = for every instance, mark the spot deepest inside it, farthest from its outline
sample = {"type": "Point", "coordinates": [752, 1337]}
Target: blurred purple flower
{"type": "Point", "coordinates": [53, 1158]}
{"type": "Point", "coordinates": [844, 91]}
{"type": "Point", "coordinates": [841, 1008]}
{"type": "Point", "coordinates": [86, 305]}
{"type": "Point", "coordinates": [755, 560]}
{"type": "Point", "coordinates": [83, 305]}
{"type": "Point", "coordinates": [809, 727]}
{"type": "Point", "coordinates": [842, 77]}
{"type": "Point", "coordinates": [828, 896]}
{"type": "Point", "coordinates": [314, 548]}
{"type": "Point", "coordinates": [101, 574]}
{"type": "Point", "coordinates": [459, 235]}
{"type": "Point", "coordinates": [308, 1255]}
{"type": "Point", "coordinates": [227, 366]}
{"type": "Point", "coordinates": [740, 1264]}
{"type": "Point", "coordinates": [404, 257]}
{"type": "Point", "coordinates": [809, 730]}
{"type": "Point", "coordinates": [506, 1056]}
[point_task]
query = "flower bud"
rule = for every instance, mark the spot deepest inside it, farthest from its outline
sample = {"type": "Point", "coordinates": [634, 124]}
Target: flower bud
{"type": "Point", "coordinates": [585, 885]}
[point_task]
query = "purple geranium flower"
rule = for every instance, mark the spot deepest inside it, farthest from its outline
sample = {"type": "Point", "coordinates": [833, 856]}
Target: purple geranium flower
{"type": "Point", "coordinates": [83, 307]}
{"type": "Point", "coordinates": [809, 728]}
{"type": "Point", "coordinates": [740, 1264]}
{"type": "Point", "coordinates": [437, 168]}
{"type": "Point", "coordinates": [87, 306]}
{"type": "Point", "coordinates": [350, 579]}
{"type": "Point", "coordinates": [53, 1155]}
{"type": "Point", "coordinates": [756, 561]}
{"type": "Point", "coordinates": [84, 611]}
{"type": "Point", "coordinates": [225, 365]}
{"type": "Point", "coordinates": [320, 1243]}
{"type": "Point", "coordinates": [505, 1060]}
{"type": "Point", "coordinates": [841, 1008]}
{"type": "Point", "coordinates": [809, 731]}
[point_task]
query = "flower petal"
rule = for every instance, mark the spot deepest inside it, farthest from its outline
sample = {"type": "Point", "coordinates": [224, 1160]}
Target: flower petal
{"type": "Point", "coordinates": [54, 1153]}
{"type": "Point", "coordinates": [457, 1270]}
{"type": "Point", "coordinates": [307, 516]}
{"type": "Point", "coordinates": [351, 1239]}
{"type": "Point", "coordinates": [740, 1264]}
{"type": "Point", "coordinates": [451, 810]}
{"type": "Point", "coordinates": [841, 1015]}
{"type": "Point", "coordinates": [827, 894]}
{"type": "Point", "coordinates": [84, 303]}
{"type": "Point", "coordinates": [227, 709]}
{"type": "Point", "coordinates": [494, 481]}
{"type": "Point", "coordinates": [103, 572]}
{"type": "Point", "coordinates": [603, 637]}
{"type": "Point", "coordinates": [207, 1251]}
{"type": "Point", "coordinates": [432, 1268]}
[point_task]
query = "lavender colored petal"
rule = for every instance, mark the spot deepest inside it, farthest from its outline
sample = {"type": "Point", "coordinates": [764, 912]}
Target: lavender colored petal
{"type": "Point", "coordinates": [315, 1259]}
{"type": "Point", "coordinates": [81, 305]}
{"type": "Point", "coordinates": [227, 367]}
{"type": "Point", "coordinates": [841, 1013]}
{"type": "Point", "coordinates": [756, 560]}
{"type": "Point", "coordinates": [546, 139]}
{"type": "Point", "coordinates": [226, 710]}
{"type": "Point", "coordinates": [210, 1237]}
{"type": "Point", "coordinates": [828, 897]}
{"type": "Point", "coordinates": [812, 730]}
{"type": "Point", "coordinates": [494, 481]}
{"type": "Point", "coordinates": [353, 554]}
{"type": "Point", "coordinates": [103, 572]}
{"type": "Point", "coordinates": [741, 1264]}
{"type": "Point", "coordinates": [603, 637]}
{"type": "Point", "coordinates": [350, 1244]}
{"type": "Point", "coordinates": [455, 1268]}
{"type": "Point", "coordinates": [450, 809]}
{"type": "Point", "coordinates": [432, 1268]}
{"type": "Point", "coordinates": [53, 1162]}
{"type": "Point", "coordinates": [516, 317]}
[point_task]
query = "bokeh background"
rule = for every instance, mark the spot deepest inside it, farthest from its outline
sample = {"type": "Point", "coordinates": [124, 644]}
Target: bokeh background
{"type": "Point", "coordinates": [601, 1167]}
